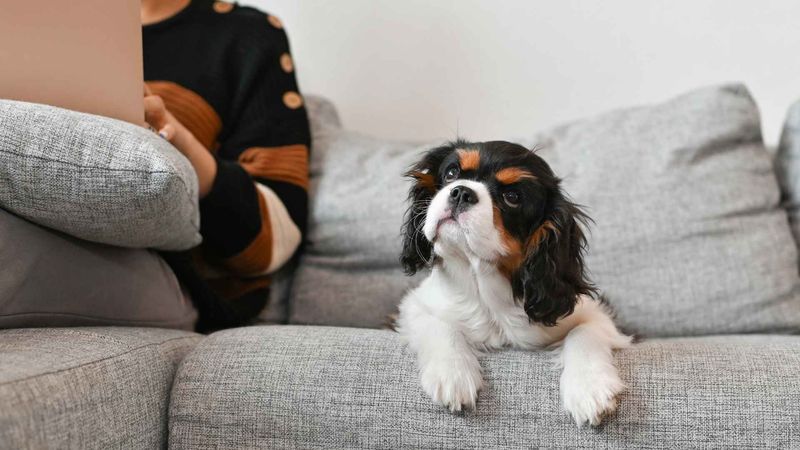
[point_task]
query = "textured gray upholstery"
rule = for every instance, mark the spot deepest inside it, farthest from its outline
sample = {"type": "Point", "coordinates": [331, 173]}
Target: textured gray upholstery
{"type": "Point", "coordinates": [350, 273]}
{"type": "Point", "coordinates": [52, 279]}
{"type": "Point", "coordinates": [689, 237]}
{"type": "Point", "coordinates": [96, 178]}
{"type": "Point", "coordinates": [712, 258]}
{"type": "Point", "coordinates": [87, 388]}
{"type": "Point", "coordinates": [321, 387]}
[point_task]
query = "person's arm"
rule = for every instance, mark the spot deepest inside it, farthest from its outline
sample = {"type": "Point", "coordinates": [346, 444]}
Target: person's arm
{"type": "Point", "coordinates": [254, 216]}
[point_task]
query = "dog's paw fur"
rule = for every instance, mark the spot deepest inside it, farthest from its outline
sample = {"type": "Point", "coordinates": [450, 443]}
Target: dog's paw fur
{"type": "Point", "coordinates": [590, 395]}
{"type": "Point", "coordinates": [454, 383]}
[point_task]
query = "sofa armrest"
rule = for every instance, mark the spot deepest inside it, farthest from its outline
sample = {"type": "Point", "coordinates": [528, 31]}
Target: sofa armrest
{"type": "Point", "coordinates": [87, 388]}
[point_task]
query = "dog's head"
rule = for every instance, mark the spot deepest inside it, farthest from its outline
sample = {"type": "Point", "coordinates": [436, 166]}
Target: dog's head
{"type": "Point", "coordinates": [499, 202]}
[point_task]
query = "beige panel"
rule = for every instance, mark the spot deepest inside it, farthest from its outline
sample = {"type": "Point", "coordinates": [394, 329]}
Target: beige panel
{"type": "Point", "coordinates": [83, 55]}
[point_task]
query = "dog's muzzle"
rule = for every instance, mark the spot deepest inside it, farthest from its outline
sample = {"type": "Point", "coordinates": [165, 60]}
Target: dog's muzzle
{"type": "Point", "coordinates": [461, 199]}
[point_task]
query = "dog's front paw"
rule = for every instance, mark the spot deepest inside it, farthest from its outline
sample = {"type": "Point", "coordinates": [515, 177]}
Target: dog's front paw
{"type": "Point", "coordinates": [452, 383]}
{"type": "Point", "coordinates": [590, 395]}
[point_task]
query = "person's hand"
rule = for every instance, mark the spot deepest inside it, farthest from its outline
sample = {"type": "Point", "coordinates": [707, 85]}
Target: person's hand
{"type": "Point", "coordinates": [159, 118]}
{"type": "Point", "coordinates": [168, 127]}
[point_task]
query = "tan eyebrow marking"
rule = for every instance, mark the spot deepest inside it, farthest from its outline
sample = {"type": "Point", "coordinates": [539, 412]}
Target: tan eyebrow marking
{"type": "Point", "coordinates": [469, 159]}
{"type": "Point", "coordinates": [425, 180]}
{"type": "Point", "coordinates": [512, 175]}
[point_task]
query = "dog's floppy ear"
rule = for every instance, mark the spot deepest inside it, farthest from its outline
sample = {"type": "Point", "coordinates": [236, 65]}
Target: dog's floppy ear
{"type": "Point", "coordinates": [553, 274]}
{"type": "Point", "coordinates": [416, 247]}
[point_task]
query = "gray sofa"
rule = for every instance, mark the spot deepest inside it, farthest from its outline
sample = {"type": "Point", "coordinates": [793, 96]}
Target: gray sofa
{"type": "Point", "coordinates": [718, 365]}
{"type": "Point", "coordinates": [334, 387]}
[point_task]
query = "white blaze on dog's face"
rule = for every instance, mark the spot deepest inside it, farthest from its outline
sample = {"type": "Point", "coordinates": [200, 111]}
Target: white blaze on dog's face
{"type": "Point", "coordinates": [461, 217]}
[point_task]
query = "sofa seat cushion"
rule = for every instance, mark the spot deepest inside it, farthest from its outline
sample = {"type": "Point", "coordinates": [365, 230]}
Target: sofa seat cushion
{"type": "Point", "coordinates": [87, 387]}
{"type": "Point", "coordinates": [323, 387]}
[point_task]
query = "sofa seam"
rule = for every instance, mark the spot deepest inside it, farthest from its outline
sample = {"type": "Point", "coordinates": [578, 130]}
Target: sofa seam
{"type": "Point", "coordinates": [105, 321]}
{"type": "Point", "coordinates": [82, 166]}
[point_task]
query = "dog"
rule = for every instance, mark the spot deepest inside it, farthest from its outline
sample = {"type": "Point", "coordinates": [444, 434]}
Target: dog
{"type": "Point", "coordinates": [506, 250]}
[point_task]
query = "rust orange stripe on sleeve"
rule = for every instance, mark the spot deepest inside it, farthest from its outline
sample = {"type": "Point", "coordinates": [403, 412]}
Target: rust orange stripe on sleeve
{"type": "Point", "coordinates": [287, 163]}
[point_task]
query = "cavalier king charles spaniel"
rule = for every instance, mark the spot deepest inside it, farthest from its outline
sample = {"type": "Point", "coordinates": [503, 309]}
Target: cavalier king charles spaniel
{"type": "Point", "coordinates": [506, 250]}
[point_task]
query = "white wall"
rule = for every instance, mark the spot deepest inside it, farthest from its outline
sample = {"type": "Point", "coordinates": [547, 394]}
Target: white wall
{"type": "Point", "coordinates": [499, 69]}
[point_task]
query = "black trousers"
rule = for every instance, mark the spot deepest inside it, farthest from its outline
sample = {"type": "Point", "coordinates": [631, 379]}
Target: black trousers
{"type": "Point", "coordinates": [214, 313]}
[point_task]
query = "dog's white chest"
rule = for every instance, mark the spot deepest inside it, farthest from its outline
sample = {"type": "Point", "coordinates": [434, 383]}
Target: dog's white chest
{"type": "Point", "coordinates": [480, 298]}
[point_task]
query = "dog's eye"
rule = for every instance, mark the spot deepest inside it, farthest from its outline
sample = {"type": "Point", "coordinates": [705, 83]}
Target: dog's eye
{"type": "Point", "coordinates": [512, 198]}
{"type": "Point", "coordinates": [451, 173]}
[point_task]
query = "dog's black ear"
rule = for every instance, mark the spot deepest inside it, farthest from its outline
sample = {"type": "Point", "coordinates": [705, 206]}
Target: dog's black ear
{"type": "Point", "coordinates": [416, 248]}
{"type": "Point", "coordinates": [553, 273]}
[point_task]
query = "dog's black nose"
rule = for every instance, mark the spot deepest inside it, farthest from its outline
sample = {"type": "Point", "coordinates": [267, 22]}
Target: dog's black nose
{"type": "Point", "coordinates": [462, 197]}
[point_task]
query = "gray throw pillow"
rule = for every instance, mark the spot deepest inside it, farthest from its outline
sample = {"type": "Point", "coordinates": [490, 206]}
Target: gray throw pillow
{"type": "Point", "coordinates": [51, 279]}
{"type": "Point", "coordinates": [689, 236]}
{"type": "Point", "coordinates": [96, 178]}
{"type": "Point", "coordinates": [787, 166]}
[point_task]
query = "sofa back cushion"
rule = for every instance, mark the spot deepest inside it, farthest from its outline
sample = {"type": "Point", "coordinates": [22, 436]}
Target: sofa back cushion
{"type": "Point", "coordinates": [349, 274]}
{"type": "Point", "coordinates": [96, 178]}
{"type": "Point", "coordinates": [688, 238]}
{"type": "Point", "coordinates": [787, 166]}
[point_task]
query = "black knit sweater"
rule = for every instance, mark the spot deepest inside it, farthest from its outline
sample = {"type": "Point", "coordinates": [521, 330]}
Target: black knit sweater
{"type": "Point", "coordinates": [226, 73]}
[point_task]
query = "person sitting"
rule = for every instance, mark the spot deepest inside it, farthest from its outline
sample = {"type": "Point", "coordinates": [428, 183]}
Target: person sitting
{"type": "Point", "coordinates": [221, 87]}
